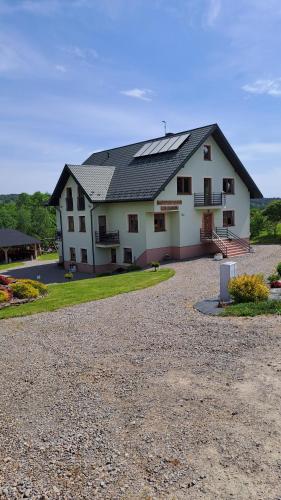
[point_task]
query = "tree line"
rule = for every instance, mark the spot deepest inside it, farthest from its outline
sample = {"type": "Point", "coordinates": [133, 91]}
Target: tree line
{"type": "Point", "coordinates": [266, 220]}
{"type": "Point", "coordinates": [29, 214]}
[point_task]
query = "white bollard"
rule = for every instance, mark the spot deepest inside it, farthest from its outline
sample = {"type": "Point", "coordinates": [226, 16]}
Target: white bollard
{"type": "Point", "coordinates": [228, 270]}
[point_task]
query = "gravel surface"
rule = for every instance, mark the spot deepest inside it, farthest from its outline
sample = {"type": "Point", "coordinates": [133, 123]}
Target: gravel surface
{"type": "Point", "coordinates": [141, 397]}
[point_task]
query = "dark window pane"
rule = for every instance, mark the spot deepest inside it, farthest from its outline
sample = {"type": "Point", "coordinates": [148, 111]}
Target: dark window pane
{"type": "Point", "coordinates": [70, 224]}
{"type": "Point", "coordinates": [133, 223]}
{"type": "Point", "coordinates": [82, 224]}
{"type": "Point", "coordinates": [72, 252]}
{"type": "Point", "coordinates": [207, 152]}
{"type": "Point", "coordinates": [159, 222]}
{"type": "Point", "coordinates": [84, 256]}
{"type": "Point", "coordinates": [128, 256]}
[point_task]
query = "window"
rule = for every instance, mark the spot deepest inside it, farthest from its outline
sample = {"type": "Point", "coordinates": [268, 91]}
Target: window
{"type": "Point", "coordinates": [113, 255]}
{"type": "Point", "coordinates": [72, 253]}
{"type": "Point", "coordinates": [228, 186]}
{"type": "Point", "coordinates": [133, 223]}
{"type": "Point", "coordinates": [128, 258]}
{"type": "Point", "coordinates": [70, 223]}
{"type": "Point", "coordinates": [69, 199]}
{"type": "Point", "coordinates": [80, 199]}
{"type": "Point", "coordinates": [228, 218]}
{"type": "Point", "coordinates": [207, 152]}
{"type": "Point", "coordinates": [159, 222]}
{"type": "Point", "coordinates": [184, 185]}
{"type": "Point", "coordinates": [84, 256]}
{"type": "Point", "coordinates": [82, 224]}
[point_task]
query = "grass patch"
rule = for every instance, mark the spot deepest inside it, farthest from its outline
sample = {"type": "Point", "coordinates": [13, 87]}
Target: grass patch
{"type": "Point", "coordinates": [48, 256]}
{"type": "Point", "coordinates": [267, 238]}
{"type": "Point", "coordinates": [77, 292]}
{"type": "Point", "coordinates": [3, 267]}
{"type": "Point", "coordinates": [253, 308]}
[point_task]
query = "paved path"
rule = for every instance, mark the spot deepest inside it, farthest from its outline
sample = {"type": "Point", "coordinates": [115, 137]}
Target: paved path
{"type": "Point", "coordinates": [141, 397]}
{"type": "Point", "coordinates": [47, 272]}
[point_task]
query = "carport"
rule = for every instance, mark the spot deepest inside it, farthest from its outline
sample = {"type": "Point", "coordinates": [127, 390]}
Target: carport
{"type": "Point", "coordinates": [15, 245]}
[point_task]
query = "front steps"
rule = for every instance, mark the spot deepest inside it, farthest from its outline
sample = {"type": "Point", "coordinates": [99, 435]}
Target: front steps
{"type": "Point", "coordinates": [234, 248]}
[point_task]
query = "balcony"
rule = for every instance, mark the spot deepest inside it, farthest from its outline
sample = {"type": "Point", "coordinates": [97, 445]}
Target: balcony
{"type": "Point", "coordinates": [110, 239]}
{"type": "Point", "coordinates": [69, 204]}
{"type": "Point", "coordinates": [202, 200]}
{"type": "Point", "coordinates": [80, 203]}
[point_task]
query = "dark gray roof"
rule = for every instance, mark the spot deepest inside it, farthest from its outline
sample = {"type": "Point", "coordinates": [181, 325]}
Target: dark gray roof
{"type": "Point", "coordinates": [144, 177]}
{"type": "Point", "coordinates": [14, 238]}
{"type": "Point", "coordinates": [94, 180]}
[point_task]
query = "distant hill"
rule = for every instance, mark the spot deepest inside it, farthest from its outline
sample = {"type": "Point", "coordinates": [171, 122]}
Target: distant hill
{"type": "Point", "coordinates": [263, 202]}
{"type": "Point", "coordinates": [6, 198]}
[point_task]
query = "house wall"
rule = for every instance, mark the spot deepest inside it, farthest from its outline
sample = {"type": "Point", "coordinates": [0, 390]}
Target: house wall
{"type": "Point", "coordinates": [181, 238]}
{"type": "Point", "coordinates": [190, 218]}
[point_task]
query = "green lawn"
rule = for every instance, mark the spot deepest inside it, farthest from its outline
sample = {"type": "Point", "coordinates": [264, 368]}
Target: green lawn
{"type": "Point", "coordinates": [266, 238]}
{"type": "Point", "coordinates": [76, 292]}
{"type": "Point", "coordinates": [48, 256]}
{"type": "Point", "coordinates": [3, 267]}
{"type": "Point", "coordinates": [253, 308]}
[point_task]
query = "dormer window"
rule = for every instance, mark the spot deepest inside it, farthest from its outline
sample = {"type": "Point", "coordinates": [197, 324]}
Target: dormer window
{"type": "Point", "coordinates": [207, 152]}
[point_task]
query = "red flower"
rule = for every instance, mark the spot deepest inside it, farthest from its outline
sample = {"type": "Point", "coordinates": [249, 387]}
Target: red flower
{"type": "Point", "coordinates": [4, 280]}
{"type": "Point", "coordinates": [276, 284]}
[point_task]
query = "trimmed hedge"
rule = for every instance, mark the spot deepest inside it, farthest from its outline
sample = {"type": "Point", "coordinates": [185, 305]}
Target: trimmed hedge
{"type": "Point", "coordinates": [248, 288]}
{"type": "Point", "coordinates": [24, 290]}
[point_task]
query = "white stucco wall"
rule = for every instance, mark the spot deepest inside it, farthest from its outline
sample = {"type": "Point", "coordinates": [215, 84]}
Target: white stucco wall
{"type": "Point", "coordinates": [182, 227]}
{"type": "Point", "coordinates": [190, 218]}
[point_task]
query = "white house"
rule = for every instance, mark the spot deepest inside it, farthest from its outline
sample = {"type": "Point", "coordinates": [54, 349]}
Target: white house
{"type": "Point", "coordinates": [179, 196]}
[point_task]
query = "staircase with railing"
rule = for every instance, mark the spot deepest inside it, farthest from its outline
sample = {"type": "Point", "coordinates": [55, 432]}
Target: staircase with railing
{"type": "Point", "coordinates": [227, 242]}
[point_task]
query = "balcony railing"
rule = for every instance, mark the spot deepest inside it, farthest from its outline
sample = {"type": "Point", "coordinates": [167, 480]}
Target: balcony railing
{"type": "Point", "coordinates": [80, 203]}
{"type": "Point", "coordinates": [208, 200]}
{"type": "Point", "coordinates": [69, 204]}
{"type": "Point", "coordinates": [111, 238]}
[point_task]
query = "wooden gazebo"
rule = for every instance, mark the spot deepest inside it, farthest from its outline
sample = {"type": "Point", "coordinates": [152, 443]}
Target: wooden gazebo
{"type": "Point", "coordinates": [15, 245]}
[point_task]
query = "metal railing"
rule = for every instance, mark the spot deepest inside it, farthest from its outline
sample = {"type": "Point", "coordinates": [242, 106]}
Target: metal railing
{"type": "Point", "coordinates": [110, 238]}
{"type": "Point", "coordinates": [225, 232]}
{"type": "Point", "coordinates": [208, 200]}
{"type": "Point", "coordinates": [208, 236]}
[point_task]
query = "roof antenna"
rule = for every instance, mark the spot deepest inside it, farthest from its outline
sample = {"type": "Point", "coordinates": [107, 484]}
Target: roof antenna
{"type": "Point", "coordinates": [165, 126]}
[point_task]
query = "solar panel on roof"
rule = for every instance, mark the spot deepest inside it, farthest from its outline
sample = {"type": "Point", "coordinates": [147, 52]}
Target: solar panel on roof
{"type": "Point", "coordinates": [178, 142]}
{"type": "Point", "coordinates": [151, 148]}
{"type": "Point", "coordinates": [170, 142]}
{"type": "Point", "coordinates": [143, 149]}
{"type": "Point", "coordinates": [162, 146]}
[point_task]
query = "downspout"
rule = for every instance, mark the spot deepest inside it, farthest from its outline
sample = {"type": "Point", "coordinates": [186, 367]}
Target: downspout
{"type": "Point", "coordinates": [62, 247]}
{"type": "Point", "coordinates": [92, 235]}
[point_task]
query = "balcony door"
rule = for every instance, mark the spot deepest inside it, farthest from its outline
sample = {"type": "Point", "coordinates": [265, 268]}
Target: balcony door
{"type": "Point", "coordinates": [102, 224]}
{"type": "Point", "coordinates": [208, 191]}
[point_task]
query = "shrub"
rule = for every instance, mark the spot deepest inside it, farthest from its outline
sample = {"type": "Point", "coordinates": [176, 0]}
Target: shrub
{"type": "Point", "coordinates": [133, 267]}
{"type": "Point", "coordinates": [7, 291]}
{"type": "Point", "coordinates": [4, 280]}
{"type": "Point", "coordinates": [24, 290]}
{"type": "Point", "coordinates": [155, 264]}
{"type": "Point", "coordinates": [273, 277]}
{"type": "Point", "coordinates": [4, 296]}
{"type": "Point", "coordinates": [248, 288]}
{"type": "Point", "coordinates": [68, 276]}
{"type": "Point", "coordinates": [278, 269]}
{"type": "Point", "coordinates": [275, 284]}
{"type": "Point", "coordinates": [42, 289]}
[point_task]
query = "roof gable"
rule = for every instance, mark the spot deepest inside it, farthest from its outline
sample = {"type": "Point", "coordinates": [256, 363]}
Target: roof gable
{"type": "Point", "coordinates": [142, 178]}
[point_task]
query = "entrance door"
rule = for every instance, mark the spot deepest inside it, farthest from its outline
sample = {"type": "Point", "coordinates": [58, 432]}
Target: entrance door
{"type": "Point", "coordinates": [207, 223]}
{"type": "Point", "coordinates": [102, 224]}
{"type": "Point", "coordinates": [207, 191]}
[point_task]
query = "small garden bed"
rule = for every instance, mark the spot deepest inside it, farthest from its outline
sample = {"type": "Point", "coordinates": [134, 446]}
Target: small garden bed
{"type": "Point", "coordinates": [252, 296]}
{"type": "Point", "coordinates": [14, 292]}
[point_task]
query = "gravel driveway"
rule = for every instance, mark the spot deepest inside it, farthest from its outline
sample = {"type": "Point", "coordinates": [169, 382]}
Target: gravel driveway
{"type": "Point", "coordinates": [141, 397]}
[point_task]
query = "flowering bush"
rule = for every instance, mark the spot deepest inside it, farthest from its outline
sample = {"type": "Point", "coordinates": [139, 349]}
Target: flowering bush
{"type": "Point", "coordinates": [7, 291]}
{"type": "Point", "coordinates": [24, 290]}
{"type": "Point", "coordinates": [278, 269]}
{"type": "Point", "coordinates": [4, 296]}
{"type": "Point", "coordinates": [4, 280]}
{"type": "Point", "coordinates": [273, 277]}
{"type": "Point", "coordinates": [275, 284]}
{"type": "Point", "coordinates": [248, 288]}
{"type": "Point", "coordinates": [42, 289]}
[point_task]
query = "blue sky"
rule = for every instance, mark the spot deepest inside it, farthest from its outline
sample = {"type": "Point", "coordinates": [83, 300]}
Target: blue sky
{"type": "Point", "coordinates": [82, 75]}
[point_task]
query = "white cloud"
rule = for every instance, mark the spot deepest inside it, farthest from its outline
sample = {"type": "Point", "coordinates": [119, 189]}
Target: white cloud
{"type": "Point", "coordinates": [60, 68]}
{"type": "Point", "coordinates": [269, 87]}
{"type": "Point", "coordinates": [81, 53]}
{"type": "Point", "coordinates": [142, 94]}
{"type": "Point", "coordinates": [213, 12]}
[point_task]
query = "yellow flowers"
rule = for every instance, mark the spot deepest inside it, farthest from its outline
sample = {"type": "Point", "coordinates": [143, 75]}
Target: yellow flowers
{"type": "Point", "coordinates": [248, 288]}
